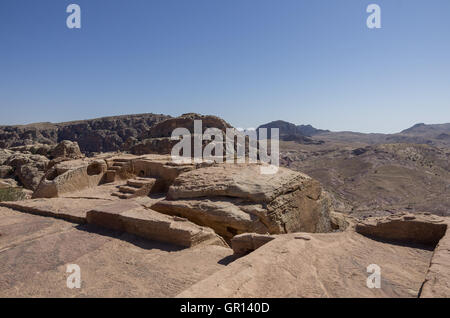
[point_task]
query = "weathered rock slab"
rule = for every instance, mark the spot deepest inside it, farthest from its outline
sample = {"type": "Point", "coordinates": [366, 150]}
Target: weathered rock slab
{"type": "Point", "coordinates": [406, 228]}
{"type": "Point", "coordinates": [131, 217]}
{"type": "Point", "coordinates": [73, 210]}
{"type": "Point", "coordinates": [236, 198]}
{"type": "Point", "coordinates": [318, 265]}
{"type": "Point", "coordinates": [248, 242]}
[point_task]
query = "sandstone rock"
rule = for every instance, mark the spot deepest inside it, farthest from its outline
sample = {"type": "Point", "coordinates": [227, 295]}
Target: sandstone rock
{"type": "Point", "coordinates": [340, 221]}
{"type": "Point", "coordinates": [248, 242]}
{"type": "Point", "coordinates": [166, 127]}
{"type": "Point", "coordinates": [157, 140]}
{"type": "Point", "coordinates": [162, 168]}
{"type": "Point", "coordinates": [130, 217]}
{"type": "Point", "coordinates": [422, 229]}
{"type": "Point", "coordinates": [94, 135]}
{"type": "Point", "coordinates": [4, 155]}
{"type": "Point", "coordinates": [28, 168]}
{"type": "Point", "coordinates": [8, 183]}
{"type": "Point", "coordinates": [67, 149]}
{"type": "Point", "coordinates": [69, 209]}
{"type": "Point", "coordinates": [226, 216]}
{"type": "Point", "coordinates": [5, 171]}
{"type": "Point", "coordinates": [318, 265]}
{"type": "Point", "coordinates": [35, 149]}
{"type": "Point", "coordinates": [419, 228]}
{"type": "Point", "coordinates": [161, 146]}
{"type": "Point", "coordinates": [13, 136]}
{"type": "Point", "coordinates": [437, 281]}
{"type": "Point", "coordinates": [112, 264]}
{"type": "Point", "coordinates": [237, 198]}
{"type": "Point", "coordinates": [71, 176]}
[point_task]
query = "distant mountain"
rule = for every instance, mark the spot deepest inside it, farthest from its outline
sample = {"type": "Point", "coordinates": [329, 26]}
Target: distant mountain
{"type": "Point", "coordinates": [309, 130]}
{"type": "Point", "coordinates": [287, 128]}
{"type": "Point", "coordinates": [292, 132]}
{"type": "Point", "coordinates": [424, 129]}
{"type": "Point", "coordinates": [435, 135]}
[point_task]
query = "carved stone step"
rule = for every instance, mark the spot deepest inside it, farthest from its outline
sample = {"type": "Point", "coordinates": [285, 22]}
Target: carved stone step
{"type": "Point", "coordinates": [127, 189]}
{"type": "Point", "coordinates": [140, 182]}
{"type": "Point", "coordinates": [121, 160]}
{"type": "Point", "coordinates": [122, 195]}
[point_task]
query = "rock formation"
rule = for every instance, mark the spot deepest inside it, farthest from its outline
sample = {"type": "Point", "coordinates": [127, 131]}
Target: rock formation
{"type": "Point", "coordinates": [30, 163]}
{"type": "Point", "coordinates": [94, 135]}
{"type": "Point", "coordinates": [236, 198]}
{"type": "Point", "coordinates": [335, 265]}
{"type": "Point", "coordinates": [66, 149]}
{"type": "Point", "coordinates": [157, 140]}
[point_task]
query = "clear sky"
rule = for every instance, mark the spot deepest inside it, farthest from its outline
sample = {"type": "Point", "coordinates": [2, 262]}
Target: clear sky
{"type": "Point", "coordinates": [248, 61]}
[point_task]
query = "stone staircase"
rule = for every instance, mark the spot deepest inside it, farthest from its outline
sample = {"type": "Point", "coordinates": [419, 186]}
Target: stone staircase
{"type": "Point", "coordinates": [118, 165]}
{"type": "Point", "coordinates": [136, 187]}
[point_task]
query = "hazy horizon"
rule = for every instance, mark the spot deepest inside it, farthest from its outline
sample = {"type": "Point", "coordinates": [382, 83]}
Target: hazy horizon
{"type": "Point", "coordinates": [249, 62]}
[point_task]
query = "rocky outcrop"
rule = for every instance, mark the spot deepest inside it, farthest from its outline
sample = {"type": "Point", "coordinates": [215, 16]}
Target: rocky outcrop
{"type": "Point", "coordinates": [6, 171]}
{"type": "Point", "coordinates": [340, 264]}
{"type": "Point", "coordinates": [71, 176]}
{"type": "Point", "coordinates": [29, 163]}
{"type": "Point", "coordinates": [237, 198]}
{"type": "Point", "coordinates": [157, 140]}
{"type": "Point", "coordinates": [13, 136]}
{"type": "Point", "coordinates": [28, 168]}
{"type": "Point", "coordinates": [162, 146]}
{"type": "Point", "coordinates": [93, 136]}
{"type": "Point", "coordinates": [424, 229]}
{"type": "Point", "coordinates": [437, 280]}
{"type": "Point", "coordinates": [404, 228]}
{"type": "Point", "coordinates": [8, 183]}
{"type": "Point", "coordinates": [166, 127]}
{"type": "Point", "coordinates": [243, 244]}
{"type": "Point", "coordinates": [35, 149]}
{"type": "Point", "coordinates": [66, 149]}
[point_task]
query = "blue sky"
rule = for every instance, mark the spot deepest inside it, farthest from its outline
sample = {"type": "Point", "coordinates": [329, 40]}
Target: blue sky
{"type": "Point", "coordinates": [248, 61]}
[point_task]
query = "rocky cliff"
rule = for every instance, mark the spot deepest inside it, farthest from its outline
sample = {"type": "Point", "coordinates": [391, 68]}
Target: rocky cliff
{"type": "Point", "coordinates": [94, 135]}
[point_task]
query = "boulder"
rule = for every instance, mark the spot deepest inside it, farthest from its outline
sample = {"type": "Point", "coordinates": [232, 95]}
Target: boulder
{"type": "Point", "coordinates": [67, 149]}
{"type": "Point", "coordinates": [71, 176]}
{"type": "Point", "coordinates": [405, 228]}
{"type": "Point", "coordinates": [236, 198]}
{"type": "Point", "coordinates": [248, 242]}
{"type": "Point", "coordinates": [28, 168]}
